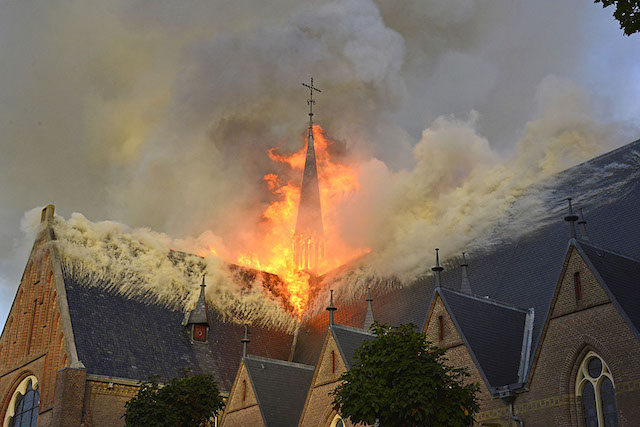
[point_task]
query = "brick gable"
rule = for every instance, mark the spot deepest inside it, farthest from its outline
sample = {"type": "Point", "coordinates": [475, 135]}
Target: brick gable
{"type": "Point", "coordinates": [242, 406]}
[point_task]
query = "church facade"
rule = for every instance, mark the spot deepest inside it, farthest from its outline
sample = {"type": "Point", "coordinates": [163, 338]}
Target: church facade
{"type": "Point", "coordinates": [547, 323]}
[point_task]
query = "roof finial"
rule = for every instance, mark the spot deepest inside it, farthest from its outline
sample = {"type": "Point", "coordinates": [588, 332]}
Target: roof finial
{"type": "Point", "coordinates": [466, 286]}
{"type": "Point", "coordinates": [245, 340]}
{"type": "Point", "coordinates": [571, 218]}
{"type": "Point", "coordinates": [331, 308]}
{"type": "Point", "coordinates": [368, 318]}
{"type": "Point", "coordinates": [311, 102]}
{"type": "Point", "coordinates": [583, 227]}
{"type": "Point", "coordinates": [199, 315]}
{"type": "Point", "coordinates": [437, 269]}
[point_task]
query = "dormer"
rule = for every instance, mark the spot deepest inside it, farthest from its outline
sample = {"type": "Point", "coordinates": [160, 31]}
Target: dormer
{"type": "Point", "coordinates": [197, 320]}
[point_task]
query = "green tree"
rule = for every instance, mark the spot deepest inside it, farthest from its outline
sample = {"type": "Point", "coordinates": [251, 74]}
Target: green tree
{"type": "Point", "coordinates": [402, 379]}
{"type": "Point", "coordinates": [183, 401]}
{"type": "Point", "coordinates": [627, 13]}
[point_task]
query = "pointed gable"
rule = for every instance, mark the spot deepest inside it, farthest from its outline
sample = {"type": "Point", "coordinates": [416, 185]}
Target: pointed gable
{"type": "Point", "coordinates": [348, 340]}
{"type": "Point", "coordinates": [242, 405]}
{"type": "Point", "coordinates": [620, 278]}
{"type": "Point", "coordinates": [280, 388]}
{"type": "Point", "coordinates": [497, 336]}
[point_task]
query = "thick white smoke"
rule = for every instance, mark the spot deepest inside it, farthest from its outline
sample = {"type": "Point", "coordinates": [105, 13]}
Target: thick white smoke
{"type": "Point", "coordinates": [159, 114]}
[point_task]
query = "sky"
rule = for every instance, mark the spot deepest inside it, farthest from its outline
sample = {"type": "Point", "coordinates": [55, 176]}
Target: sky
{"type": "Point", "coordinates": [160, 114]}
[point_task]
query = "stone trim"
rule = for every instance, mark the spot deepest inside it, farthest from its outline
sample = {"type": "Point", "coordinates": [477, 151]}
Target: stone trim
{"type": "Point", "coordinates": [550, 402]}
{"type": "Point", "coordinates": [63, 304]}
{"type": "Point", "coordinates": [112, 389]}
{"type": "Point", "coordinates": [15, 368]}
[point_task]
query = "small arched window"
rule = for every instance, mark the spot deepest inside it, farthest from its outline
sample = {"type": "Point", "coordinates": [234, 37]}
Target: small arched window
{"type": "Point", "coordinates": [441, 328]}
{"type": "Point", "coordinates": [578, 285]}
{"type": "Point", "coordinates": [23, 407]}
{"type": "Point", "coordinates": [333, 361]}
{"type": "Point", "coordinates": [244, 390]}
{"type": "Point", "coordinates": [595, 390]}
{"type": "Point", "coordinates": [337, 421]}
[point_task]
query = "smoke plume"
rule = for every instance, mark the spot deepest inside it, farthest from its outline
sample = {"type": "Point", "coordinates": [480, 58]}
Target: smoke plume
{"type": "Point", "coordinates": [160, 114]}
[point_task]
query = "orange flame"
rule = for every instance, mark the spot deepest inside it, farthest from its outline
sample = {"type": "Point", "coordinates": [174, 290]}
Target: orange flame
{"type": "Point", "coordinates": [275, 255]}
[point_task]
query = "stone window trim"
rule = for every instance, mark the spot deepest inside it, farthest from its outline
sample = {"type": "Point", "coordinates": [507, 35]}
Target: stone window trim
{"type": "Point", "coordinates": [20, 390]}
{"type": "Point", "coordinates": [337, 421]}
{"type": "Point", "coordinates": [583, 377]}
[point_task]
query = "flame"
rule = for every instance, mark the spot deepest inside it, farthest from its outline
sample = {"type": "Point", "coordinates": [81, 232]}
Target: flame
{"type": "Point", "coordinates": [275, 252]}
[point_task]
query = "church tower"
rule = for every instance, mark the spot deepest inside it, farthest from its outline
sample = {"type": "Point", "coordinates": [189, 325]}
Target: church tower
{"type": "Point", "coordinates": [308, 238]}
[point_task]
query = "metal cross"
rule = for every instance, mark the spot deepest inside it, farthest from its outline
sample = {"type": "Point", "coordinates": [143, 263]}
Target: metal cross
{"type": "Point", "coordinates": [311, 101]}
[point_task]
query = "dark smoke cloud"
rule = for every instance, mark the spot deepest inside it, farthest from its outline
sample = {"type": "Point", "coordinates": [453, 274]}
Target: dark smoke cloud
{"type": "Point", "coordinates": [159, 113]}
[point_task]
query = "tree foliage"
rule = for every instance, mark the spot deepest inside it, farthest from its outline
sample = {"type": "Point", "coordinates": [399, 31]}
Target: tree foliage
{"type": "Point", "coordinates": [183, 401]}
{"type": "Point", "coordinates": [402, 379]}
{"type": "Point", "coordinates": [627, 13]}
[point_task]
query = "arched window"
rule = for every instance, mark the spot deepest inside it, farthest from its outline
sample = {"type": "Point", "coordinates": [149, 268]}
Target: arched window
{"type": "Point", "coordinates": [595, 389]}
{"type": "Point", "coordinates": [441, 328]}
{"type": "Point", "coordinates": [337, 422]}
{"type": "Point", "coordinates": [23, 407]}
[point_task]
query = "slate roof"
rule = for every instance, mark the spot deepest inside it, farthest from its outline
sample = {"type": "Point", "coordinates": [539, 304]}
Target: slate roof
{"type": "Point", "coordinates": [280, 387]}
{"type": "Point", "coordinates": [620, 276]}
{"type": "Point", "coordinates": [349, 340]}
{"type": "Point", "coordinates": [493, 332]}
{"type": "Point", "coordinates": [124, 337]}
{"type": "Point", "coordinates": [521, 271]}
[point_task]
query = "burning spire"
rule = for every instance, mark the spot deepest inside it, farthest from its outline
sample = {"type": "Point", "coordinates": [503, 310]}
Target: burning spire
{"type": "Point", "coordinates": [308, 238]}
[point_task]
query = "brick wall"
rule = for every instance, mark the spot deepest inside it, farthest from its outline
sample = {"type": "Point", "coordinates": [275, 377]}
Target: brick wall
{"type": "Point", "coordinates": [104, 402]}
{"type": "Point", "coordinates": [318, 410]}
{"type": "Point", "coordinates": [32, 341]}
{"type": "Point", "coordinates": [242, 406]}
{"type": "Point", "coordinates": [574, 328]}
{"type": "Point", "coordinates": [69, 397]}
{"type": "Point", "coordinates": [458, 355]}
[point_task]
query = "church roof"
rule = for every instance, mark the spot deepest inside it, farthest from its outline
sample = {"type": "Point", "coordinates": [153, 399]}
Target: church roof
{"type": "Point", "coordinates": [280, 387]}
{"type": "Point", "coordinates": [127, 337]}
{"type": "Point", "coordinates": [349, 340]}
{"type": "Point", "coordinates": [493, 333]}
{"type": "Point", "coordinates": [521, 271]}
{"type": "Point", "coordinates": [620, 277]}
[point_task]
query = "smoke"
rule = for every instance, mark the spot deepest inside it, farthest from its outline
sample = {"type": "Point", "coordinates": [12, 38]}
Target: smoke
{"type": "Point", "coordinates": [160, 115]}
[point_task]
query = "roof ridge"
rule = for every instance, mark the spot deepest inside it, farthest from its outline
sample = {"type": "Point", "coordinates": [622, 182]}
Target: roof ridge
{"type": "Point", "coordinates": [486, 299]}
{"type": "Point", "coordinates": [604, 155]}
{"type": "Point", "coordinates": [352, 329]}
{"type": "Point", "coordinates": [280, 362]}
{"type": "Point", "coordinates": [600, 248]}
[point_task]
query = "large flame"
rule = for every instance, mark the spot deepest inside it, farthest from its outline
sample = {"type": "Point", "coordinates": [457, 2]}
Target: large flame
{"type": "Point", "coordinates": [275, 252]}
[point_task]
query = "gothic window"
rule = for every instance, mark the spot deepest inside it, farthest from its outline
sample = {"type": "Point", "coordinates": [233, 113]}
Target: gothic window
{"type": "Point", "coordinates": [23, 408]}
{"type": "Point", "coordinates": [441, 328]}
{"type": "Point", "coordinates": [596, 392]}
{"type": "Point", "coordinates": [337, 422]}
{"type": "Point", "coordinates": [333, 362]}
{"type": "Point", "coordinates": [578, 285]}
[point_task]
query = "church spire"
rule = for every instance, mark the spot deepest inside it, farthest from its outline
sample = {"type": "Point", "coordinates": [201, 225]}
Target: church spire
{"type": "Point", "coordinates": [308, 238]}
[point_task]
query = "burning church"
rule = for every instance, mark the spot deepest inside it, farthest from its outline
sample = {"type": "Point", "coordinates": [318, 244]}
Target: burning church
{"type": "Point", "coordinates": [546, 321]}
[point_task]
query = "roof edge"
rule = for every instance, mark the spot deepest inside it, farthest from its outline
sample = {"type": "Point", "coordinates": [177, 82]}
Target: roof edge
{"type": "Point", "coordinates": [438, 291]}
{"type": "Point", "coordinates": [279, 362]}
{"type": "Point", "coordinates": [604, 285]}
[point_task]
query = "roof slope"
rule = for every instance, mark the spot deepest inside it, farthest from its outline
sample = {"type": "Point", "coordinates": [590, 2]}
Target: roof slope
{"type": "Point", "coordinates": [620, 276]}
{"type": "Point", "coordinates": [280, 387]}
{"type": "Point", "coordinates": [520, 271]}
{"type": "Point", "coordinates": [493, 332]}
{"type": "Point", "coordinates": [128, 338]}
{"type": "Point", "coordinates": [349, 340]}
